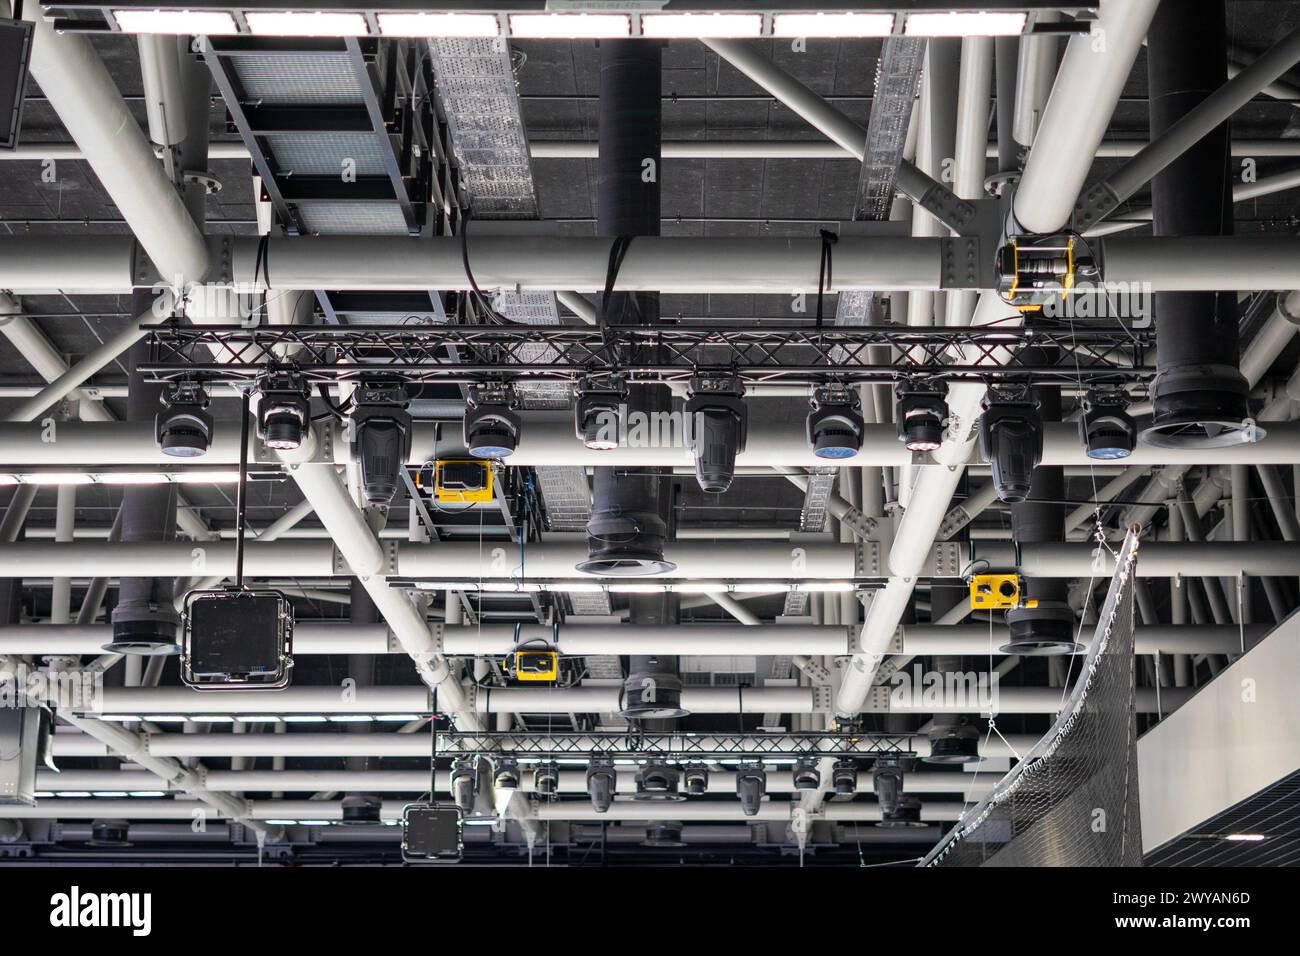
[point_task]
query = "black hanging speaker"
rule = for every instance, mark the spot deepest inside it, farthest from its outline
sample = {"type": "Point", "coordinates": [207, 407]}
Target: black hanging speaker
{"type": "Point", "coordinates": [15, 51]}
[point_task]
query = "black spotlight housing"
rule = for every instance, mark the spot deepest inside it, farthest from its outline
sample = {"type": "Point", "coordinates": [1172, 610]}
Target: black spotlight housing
{"type": "Point", "coordinates": [1041, 631]}
{"type": "Point", "coordinates": [907, 813]}
{"type": "Point", "coordinates": [695, 778]}
{"type": "Point", "coordinates": [751, 785]}
{"type": "Point", "coordinates": [492, 428]}
{"type": "Point", "coordinates": [381, 437]}
{"type": "Point", "coordinates": [361, 809]}
{"type": "Point", "coordinates": [1011, 439]}
{"type": "Point", "coordinates": [666, 835]}
{"type": "Point", "coordinates": [598, 413]}
{"type": "Point", "coordinates": [602, 783]}
{"type": "Point", "coordinates": [887, 782]}
{"type": "Point", "coordinates": [834, 426]}
{"type": "Point", "coordinates": [283, 411]}
{"type": "Point", "coordinates": [921, 411]}
{"type": "Point", "coordinates": [954, 744]}
{"type": "Point", "coordinates": [844, 776]}
{"type": "Point", "coordinates": [546, 778]}
{"type": "Point", "coordinates": [1105, 429]}
{"type": "Point", "coordinates": [183, 427]}
{"type": "Point", "coordinates": [717, 422]}
{"type": "Point", "coordinates": [652, 689]}
{"type": "Point", "coordinates": [658, 781]}
{"type": "Point", "coordinates": [506, 775]}
{"type": "Point", "coordinates": [464, 780]}
{"type": "Point", "coordinates": [807, 776]}
{"type": "Point", "coordinates": [110, 833]}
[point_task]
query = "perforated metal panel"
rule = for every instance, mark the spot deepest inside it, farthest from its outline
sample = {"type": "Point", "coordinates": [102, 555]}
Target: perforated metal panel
{"type": "Point", "coordinates": [353, 218]}
{"type": "Point", "coordinates": [323, 154]}
{"type": "Point", "coordinates": [284, 79]}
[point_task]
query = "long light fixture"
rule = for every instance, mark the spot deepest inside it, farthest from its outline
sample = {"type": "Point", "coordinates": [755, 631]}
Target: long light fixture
{"type": "Point", "coordinates": [208, 23]}
{"type": "Point", "coordinates": [50, 478]}
{"type": "Point", "coordinates": [981, 23]}
{"type": "Point", "coordinates": [832, 25]}
{"type": "Point", "coordinates": [570, 26]}
{"type": "Point", "coordinates": [445, 25]}
{"type": "Point", "coordinates": [301, 23]}
{"type": "Point", "coordinates": [699, 26]}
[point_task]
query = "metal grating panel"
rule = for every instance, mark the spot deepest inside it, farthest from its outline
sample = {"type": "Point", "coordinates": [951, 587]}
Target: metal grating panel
{"type": "Point", "coordinates": [317, 154]}
{"type": "Point", "coordinates": [353, 218]}
{"type": "Point", "coordinates": [476, 86]}
{"type": "Point", "coordinates": [315, 79]}
{"type": "Point", "coordinates": [897, 74]}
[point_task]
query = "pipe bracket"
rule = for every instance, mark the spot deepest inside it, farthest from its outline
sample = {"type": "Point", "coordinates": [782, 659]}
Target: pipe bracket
{"type": "Point", "coordinates": [866, 559]}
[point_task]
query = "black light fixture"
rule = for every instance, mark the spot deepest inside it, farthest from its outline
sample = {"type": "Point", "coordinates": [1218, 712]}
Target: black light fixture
{"type": "Point", "coordinates": [602, 783]}
{"type": "Point", "coordinates": [666, 835]}
{"type": "Point", "coordinates": [834, 427]}
{"type": "Point", "coordinates": [751, 785]}
{"type": "Point", "coordinates": [658, 781]}
{"type": "Point", "coordinates": [1105, 427]}
{"type": "Point", "coordinates": [921, 411]}
{"type": "Point", "coordinates": [464, 779]}
{"type": "Point", "coordinates": [1011, 439]}
{"type": "Point", "coordinates": [907, 813]}
{"type": "Point", "coordinates": [844, 777]}
{"type": "Point", "coordinates": [381, 437]}
{"type": "Point", "coordinates": [652, 689]}
{"type": "Point", "coordinates": [506, 775]}
{"type": "Point", "coordinates": [491, 427]}
{"type": "Point", "coordinates": [361, 810]}
{"type": "Point", "coordinates": [887, 782]}
{"type": "Point", "coordinates": [183, 426]}
{"type": "Point", "coordinates": [1047, 628]}
{"type": "Point", "coordinates": [546, 778]}
{"type": "Point", "coordinates": [954, 743]}
{"type": "Point", "coordinates": [716, 425]}
{"type": "Point", "coordinates": [807, 776]}
{"type": "Point", "coordinates": [598, 413]}
{"type": "Point", "coordinates": [696, 779]}
{"type": "Point", "coordinates": [283, 411]}
{"type": "Point", "coordinates": [110, 833]}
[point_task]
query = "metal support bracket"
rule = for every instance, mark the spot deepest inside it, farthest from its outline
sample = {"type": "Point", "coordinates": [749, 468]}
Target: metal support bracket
{"type": "Point", "coordinates": [866, 560]}
{"type": "Point", "coordinates": [947, 560]}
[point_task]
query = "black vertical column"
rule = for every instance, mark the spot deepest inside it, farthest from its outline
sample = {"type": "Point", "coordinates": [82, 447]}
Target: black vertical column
{"type": "Point", "coordinates": [1199, 393]}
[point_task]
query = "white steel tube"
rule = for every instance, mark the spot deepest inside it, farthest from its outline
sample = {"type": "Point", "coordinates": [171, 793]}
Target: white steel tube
{"type": "Point", "coordinates": [1087, 88]}
{"type": "Point", "coordinates": [1036, 69]}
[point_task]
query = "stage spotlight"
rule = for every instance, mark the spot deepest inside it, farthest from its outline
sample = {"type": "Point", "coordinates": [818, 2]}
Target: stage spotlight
{"type": "Point", "coordinates": [1011, 438]}
{"type": "Point", "coordinates": [597, 413]}
{"type": "Point", "coordinates": [463, 781]}
{"type": "Point", "coordinates": [491, 426]}
{"type": "Point", "coordinates": [697, 779]}
{"type": "Point", "coordinates": [283, 411]}
{"type": "Point", "coordinates": [887, 781]}
{"type": "Point", "coordinates": [751, 785]}
{"type": "Point", "coordinates": [546, 778]}
{"type": "Point", "coordinates": [921, 411]}
{"type": "Point", "coordinates": [381, 437]}
{"type": "Point", "coordinates": [602, 783]}
{"type": "Point", "coordinates": [1105, 428]}
{"type": "Point", "coordinates": [844, 776]}
{"type": "Point", "coordinates": [807, 776]}
{"type": "Point", "coordinates": [506, 777]}
{"type": "Point", "coordinates": [716, 423]}
{"type": "Point", "coordinates": [834, 425]}
{"type": "Point", "coordinates": [658, 781]}
{"type": "Point", "coordinates": [183, 427]}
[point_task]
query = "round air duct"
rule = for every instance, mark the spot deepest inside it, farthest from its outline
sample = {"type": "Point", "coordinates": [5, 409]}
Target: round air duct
{"type": "Point", "coordinates": [109, 833]}
{"type": "Point", "coordinates": [361, 809]}
{"type": "Point", "coordinates": [907, 813]}
{"type": "Point", "coordinates": [664, 835]}
{"type": "Point", "coordinates": [653, 690]}
{"type": "Point", "coordinates": [1041, 631]}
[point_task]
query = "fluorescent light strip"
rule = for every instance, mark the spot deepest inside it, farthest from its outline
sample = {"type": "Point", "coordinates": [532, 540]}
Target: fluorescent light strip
{"type": "Point", "coordinates": [973, 24]}
{"type": "Point", "coordinates": [209, 23]}
{"type": "Point", "coordinates": [695, 26]}
{"type": "Point", "coordinates": [295, 23]}
{"type": "Point", "coordinates": [52, 478]}
{"type": "Point", "coordinates": [832, 25]}
{"type": "Point", "coordinates": [444, 25]}
{"type": "Point", "coordinates": [570, 26]}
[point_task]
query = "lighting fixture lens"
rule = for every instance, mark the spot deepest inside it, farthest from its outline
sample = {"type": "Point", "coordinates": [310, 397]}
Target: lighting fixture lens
{"type": "Point", "coordinates": [686, 26]}
{"type": "Point", "coordinates": [295, 23]}
{"type": "Point", "coordinates": [460, 25]}
{"type": "Point", "coordinates": [570, 26]}
{"type": "Point", "coordinates": [196, 22]}
{"type": "Point", "coordinates": [972, 24]}
{"type": "Point", "coordinates": [832, 25]}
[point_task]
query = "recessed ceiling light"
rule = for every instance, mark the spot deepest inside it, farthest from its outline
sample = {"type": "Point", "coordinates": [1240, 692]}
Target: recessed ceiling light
{"type": "Point", "coordinates": [832, 25]}
{"type": "Point", "coordinates": [296, 23]}
{"type": "Point", "coordinates": [973, 24]}
{"type": "Point", "coordinates": [439, 25]}
{"type": "Point", "coordinates": [570, 26]}
{"type": "Point", "coordinates": [686, 26]}
{"type": "Point", "coordinates": [209, 23]}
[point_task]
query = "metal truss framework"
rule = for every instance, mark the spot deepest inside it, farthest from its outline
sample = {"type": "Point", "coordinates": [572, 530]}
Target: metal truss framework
{"type": "Point", "coordinates": [780, 354]}
{"type": "Point", "coordinates": [678, 746]}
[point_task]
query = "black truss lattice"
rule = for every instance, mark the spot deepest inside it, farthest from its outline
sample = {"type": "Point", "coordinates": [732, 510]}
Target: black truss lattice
{"type": "Point", "coordinates": [679, 746]}
{"type": "Point", "coordinates": [786, 355]}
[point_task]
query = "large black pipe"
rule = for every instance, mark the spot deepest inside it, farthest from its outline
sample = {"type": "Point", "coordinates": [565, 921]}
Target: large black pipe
{"type": "Point", "coordinates": [1199, 393]}
{"type": "Point", "coordinates": [632, 509]}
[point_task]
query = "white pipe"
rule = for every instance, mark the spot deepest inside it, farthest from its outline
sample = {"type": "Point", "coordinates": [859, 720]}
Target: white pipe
{"type": "Point", "coordinates": [1036, 69]}
{"type": "Point", "coordinates": [82, 92]}
{"type": "Point", "coordinates": [160, 72]}
{"type": "Point", "coordinates": [1088, 85]}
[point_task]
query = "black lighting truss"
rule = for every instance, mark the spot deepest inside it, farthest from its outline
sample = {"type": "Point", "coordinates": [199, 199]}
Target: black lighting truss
{"type": "Point", "coordinates": [787, 355]}
{"type": "Point", "coordinates": [678, 746]}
